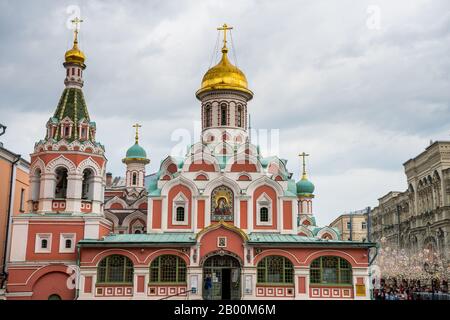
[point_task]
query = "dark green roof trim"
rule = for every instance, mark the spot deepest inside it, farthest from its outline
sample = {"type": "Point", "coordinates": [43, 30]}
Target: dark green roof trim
{"type": "Point", "coordinates": [144, 239]}
{"type": "Point", "coordinates": [276, 239]}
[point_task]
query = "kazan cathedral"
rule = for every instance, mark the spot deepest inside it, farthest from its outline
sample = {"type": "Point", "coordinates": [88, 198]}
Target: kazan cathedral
{"type": "Point", "coordinates": [223, 222]}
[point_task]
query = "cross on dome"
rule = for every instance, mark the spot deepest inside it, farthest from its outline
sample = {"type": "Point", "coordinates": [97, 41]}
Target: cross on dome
{"type": "Point", "coordinates": [137, 126]}
{"type": "Point", "coordinates": [303, 155]}
{"type": "Point", "coordinates": [224, 28]}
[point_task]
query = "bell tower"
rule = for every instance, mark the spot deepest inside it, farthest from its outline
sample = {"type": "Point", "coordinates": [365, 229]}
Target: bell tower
{"type": "Point", "coordinates": [136, 160]}
{"type": "Point", "coordinates": [224, 95]}
{"type": "Point", "coordinates": [67, 166]}
{"type": "Point", "coordinates": [305, 192]}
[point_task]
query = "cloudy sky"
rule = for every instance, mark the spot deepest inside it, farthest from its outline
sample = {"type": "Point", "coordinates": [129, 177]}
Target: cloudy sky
{"type": "Point", "coordinates": [361, 85]}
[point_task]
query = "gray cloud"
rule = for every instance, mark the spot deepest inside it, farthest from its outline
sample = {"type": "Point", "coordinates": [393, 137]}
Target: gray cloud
{"type": "Point", "coordinates": [360, 101]}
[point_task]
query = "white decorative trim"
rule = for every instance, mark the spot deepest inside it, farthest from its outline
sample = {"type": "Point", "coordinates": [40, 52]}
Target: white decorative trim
{"type": "Point", "coordinates": [62, 242]}
{"type": "Point", "coordinates": [60, 161]}
{"type": "Point", "coordinates": [89, 163]}
{"type": "Point", "coordinates": [38, 243]}
{"type": "Point", "coordinates": [264, 201]}
{"type": "Point", "coordinates": [180, 201]}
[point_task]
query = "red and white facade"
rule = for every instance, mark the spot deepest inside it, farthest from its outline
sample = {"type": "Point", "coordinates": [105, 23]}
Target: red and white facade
{"type": "Point", "coordinates": [223, 212]}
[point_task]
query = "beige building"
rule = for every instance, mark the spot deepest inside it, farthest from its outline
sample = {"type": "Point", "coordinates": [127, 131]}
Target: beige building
{"type": "Point", "coordinates": [14, 182]}
{"type": "Point", "coordinates": [352, 226]}
{"type": "Point", "coordinates": [420, 216]}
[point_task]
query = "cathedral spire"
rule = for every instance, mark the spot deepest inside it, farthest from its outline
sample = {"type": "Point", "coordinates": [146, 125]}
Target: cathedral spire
{"type": "Point", "coordinates": [303, 155]}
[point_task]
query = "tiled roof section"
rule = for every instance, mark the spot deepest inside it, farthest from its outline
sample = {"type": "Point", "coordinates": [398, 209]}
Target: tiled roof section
{"type": "Point", "coordinates": [73, 106]}
{"type": "Point", "coordinates": [144, 238]}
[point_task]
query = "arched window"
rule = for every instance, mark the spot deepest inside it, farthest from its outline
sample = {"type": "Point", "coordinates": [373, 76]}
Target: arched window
{"type": "Point", "coordinates": [61, 183]}
{"type": "Point", "coordinates": [44, 244]}
{"type": "Point", "coordinates": [168, 269]}
{"type": "Point", "coordinates": [115, 269]}
{"type": "Point", "coordinates": [223, 115]}
{"type": "Point", "coordinates": [134, 179]}
{"type": "Point", "coordinates": [86, 189]}
{"type": "Point", "coordinates": [264, 214]}
{"type": "Point", "coordinates": [239, 116]}
{"type": "Point", "coordinates": [275, 269]}
{"type": "Point", "coordinates": [330, 270]}
{"type": "Point", "coordinates": [208, 117]}
{"type": "Point", "coordinates": [54, 297]}
{"type": "Point", "coordinates": [180, 214]}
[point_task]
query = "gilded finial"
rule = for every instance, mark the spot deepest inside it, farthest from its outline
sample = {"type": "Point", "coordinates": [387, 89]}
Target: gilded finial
{"type": "Point", "coordinates": [303, 155]}
{"type": "Point", "coordinates": [137, 126]}
{"type": "Point", "coordinates": [224, 28]}
{"type": "Point", "coordinates": [76, 22]}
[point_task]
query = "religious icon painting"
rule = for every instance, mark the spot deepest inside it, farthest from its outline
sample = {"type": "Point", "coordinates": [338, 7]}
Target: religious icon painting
{"type": "Point", "coordinates": [222, 200]}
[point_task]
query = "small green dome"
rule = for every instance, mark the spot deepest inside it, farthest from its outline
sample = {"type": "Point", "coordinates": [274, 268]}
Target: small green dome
{"type": "Point", "coordinates": [136, 152]}
{"type": "Point", "coordinates": [304, 186]}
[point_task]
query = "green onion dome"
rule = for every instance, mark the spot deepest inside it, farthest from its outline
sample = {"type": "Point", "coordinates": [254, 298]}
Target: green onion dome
{"type": "Point", "coordinates": [304, 186]}
{"type": "Point", "coordinates": [136, 153]}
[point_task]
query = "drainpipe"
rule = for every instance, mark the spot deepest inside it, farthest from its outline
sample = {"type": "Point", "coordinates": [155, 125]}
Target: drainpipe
{"type": "Point", "coordinates": [77, 290]}
{"type": "Point", "coordinates": [351, 226]}
{"type": "Point", "coordinates": [9, 218]}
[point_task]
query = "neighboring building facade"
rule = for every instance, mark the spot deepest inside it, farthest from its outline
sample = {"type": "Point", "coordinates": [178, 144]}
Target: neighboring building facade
{"type": "Point", "coordinates": [223, 222]}
{"type": "Point", "coordinates": [14, 187]}
{"type": "Point", "coordinates": [418, 218]}
{"type": "Point", "coordinates": [352, 226]}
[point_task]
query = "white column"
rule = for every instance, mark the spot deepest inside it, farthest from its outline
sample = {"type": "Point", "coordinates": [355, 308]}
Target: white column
{"type": "Point", "coordinates": [74, 186]}
{"type": "Point", "coordinates": [47, 192]}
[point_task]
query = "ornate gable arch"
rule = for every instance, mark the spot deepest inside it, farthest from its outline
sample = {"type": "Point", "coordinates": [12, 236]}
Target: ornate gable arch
{"type": "Point", "coordinates": [89, 163]}
{"type": "Point", "coordinates": [264, 180]}
{"type": "Point", "coordinates": [61, 161]}
{"type": "Point", "coordinates": [37, 164]}
{"type": "Point", "coordinates": [116, 199]}
{"type": "Point", "coordinates": [327, 230]}
{"type": "Point", "coordinates": [243, 159]}
{"type": "Point", "coordinates": [179, 180]}
{"type": "Point", "coordinates": [222, 180]}
{"type": "Point", "coordinates": [133, 216]}
{"type": "Point", "coordinates": [199, 158]}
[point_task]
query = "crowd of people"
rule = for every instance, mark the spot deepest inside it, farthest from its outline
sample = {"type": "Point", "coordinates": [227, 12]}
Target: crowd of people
{"type": "Point", "coordinates": [411, 290]}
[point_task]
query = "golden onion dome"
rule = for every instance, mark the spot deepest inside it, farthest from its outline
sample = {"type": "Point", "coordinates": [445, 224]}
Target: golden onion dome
{"type": "Point", "coordinates": [75, 55]}
{"type": "Point", "coordinates": [224, 76]}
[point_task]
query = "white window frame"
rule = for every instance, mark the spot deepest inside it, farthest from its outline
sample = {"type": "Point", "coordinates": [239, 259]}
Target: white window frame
{"type": "Point", "coordinates": [264, 201]}
{"type": "Point", "coordinates": [180, 201]}
{"type": "Point", "coordinates": [39, 238]}
{"type": "Point", "coordinates": [62, 242]}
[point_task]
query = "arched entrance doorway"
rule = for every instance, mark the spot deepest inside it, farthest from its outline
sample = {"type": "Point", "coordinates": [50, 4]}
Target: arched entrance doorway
{"type": "Point", "coordinates": [223, 273]}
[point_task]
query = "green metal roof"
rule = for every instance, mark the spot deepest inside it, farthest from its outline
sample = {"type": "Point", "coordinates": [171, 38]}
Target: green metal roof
{"type": "Point", "coordinates": [71, 105]}
{"type": "Point", "coordinates": [142, 239]}
{"type": "Point", "coordinates": [292, 239]}
{"type": "Point", "coordinates": [136, 152]}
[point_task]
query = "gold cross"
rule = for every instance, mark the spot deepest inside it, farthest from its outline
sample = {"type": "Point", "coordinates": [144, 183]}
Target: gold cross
{"type": "Point", "coordinates": [76, 22]}
{"type": "Point", "coordinates": [137, 126]}
{"type": "Point", "coordinates": [304, 155]}
{"type": "Point", "coordinates": [224, 28]}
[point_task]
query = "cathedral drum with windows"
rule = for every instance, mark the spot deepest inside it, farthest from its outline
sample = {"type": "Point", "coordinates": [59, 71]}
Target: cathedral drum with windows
{"type": "Point", "coordinates": [222, 222]}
